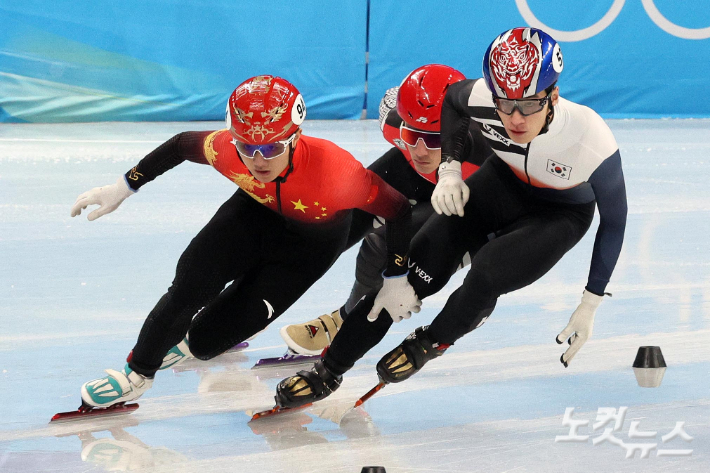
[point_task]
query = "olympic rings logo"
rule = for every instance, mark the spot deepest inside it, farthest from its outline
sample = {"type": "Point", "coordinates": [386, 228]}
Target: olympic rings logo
{"type": "Point", "coordinates": [585, 33]}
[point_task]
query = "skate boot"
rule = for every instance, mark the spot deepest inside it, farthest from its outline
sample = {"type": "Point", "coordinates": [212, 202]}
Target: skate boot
{"type": "Point", "coordinates": [307, 386]}
{"type": "Point", "coordinates": [177, 355]}
{"type": "Point", "coordinates": [312, 337]}
{"type": "Point", "coordinates": [409, 357]}
{"type": "Point", "coordinates": [117, 387]}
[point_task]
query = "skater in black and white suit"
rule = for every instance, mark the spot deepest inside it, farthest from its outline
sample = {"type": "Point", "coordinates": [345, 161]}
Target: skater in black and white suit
{"type": "Point", "coordinates": [554, 161]}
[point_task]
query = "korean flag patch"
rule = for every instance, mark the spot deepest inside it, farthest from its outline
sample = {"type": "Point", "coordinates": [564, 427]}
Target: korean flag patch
{"type": "Point", "coordinates": [558, 169]}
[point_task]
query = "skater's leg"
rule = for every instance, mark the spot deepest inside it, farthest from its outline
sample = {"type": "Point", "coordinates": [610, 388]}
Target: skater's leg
{"type": "Point", "coordinates": [312, 337]}
{"type": "Point", "coordinates": [521, 254]}
{"type": "Point", "coordinates": [430, 267]}
{"type": "Point", "coordinates": [246, 308]}
{"type": "Point", "coordinates": [225, 248]}
{"type": "Point", "coordinates": [518, 256]}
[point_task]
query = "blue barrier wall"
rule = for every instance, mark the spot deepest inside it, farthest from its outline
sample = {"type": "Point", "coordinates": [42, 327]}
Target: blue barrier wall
{"type": "Point", "coordinates": [80, 60]}
{"type": "Point", "coordinates": [631, 68]}
{"type": "Point", "coordinates": [87, 60]}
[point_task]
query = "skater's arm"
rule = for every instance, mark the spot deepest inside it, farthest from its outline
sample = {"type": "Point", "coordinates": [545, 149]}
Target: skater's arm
{"type": "Point", "coordinates": [455, 121]}
{"type": "Point", "coordinates": [451, 193]}
{"type": "Point", "coordinates": [385, 166]}
{"type": "Point", "coordinates": [610, 193]}
{"type": "Point", "coordinates": [186, 146]}
{"type": "Point", "coordinates": [397, 296]}
{"type": "Point", "coordinates": [387, 202]}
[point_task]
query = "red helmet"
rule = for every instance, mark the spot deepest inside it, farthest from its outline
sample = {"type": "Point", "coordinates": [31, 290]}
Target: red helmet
{"type": "Point", "coordinates": [422, 93]}
{"type": "Point", "coordinates": [264, 109]}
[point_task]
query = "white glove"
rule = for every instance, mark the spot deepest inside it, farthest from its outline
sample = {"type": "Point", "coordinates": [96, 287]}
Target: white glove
{"type": "Point", "coordinates": [397, 296]}
{"type": "Point", "coordinates": [107, 197]}
{"type": "Point", "coordinates": [580, 326]}
{"type": "Point", "coordinates": [450, 193]}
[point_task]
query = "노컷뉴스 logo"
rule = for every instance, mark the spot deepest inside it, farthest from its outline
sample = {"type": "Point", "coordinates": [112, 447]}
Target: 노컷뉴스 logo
{"type": "Point", "coordinates": [605, 415]}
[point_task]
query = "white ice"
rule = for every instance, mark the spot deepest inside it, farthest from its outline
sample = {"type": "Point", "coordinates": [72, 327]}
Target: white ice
{"type": "Point", "coordinates": [74, 295]}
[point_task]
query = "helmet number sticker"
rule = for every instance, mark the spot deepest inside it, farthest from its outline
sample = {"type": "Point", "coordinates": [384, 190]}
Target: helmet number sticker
{"type": "Point", "coordinates": [228, 117]}
{"type": "Point", "coordinates": [557, 63]}
{"type": "Point", "coordinates": [298, 112]}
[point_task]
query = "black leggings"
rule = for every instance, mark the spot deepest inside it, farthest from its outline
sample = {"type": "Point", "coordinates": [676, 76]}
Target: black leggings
{"type": "Point", "coordinates": [531, 235]}
{"type": "Point", "coordinates": [271, 263]}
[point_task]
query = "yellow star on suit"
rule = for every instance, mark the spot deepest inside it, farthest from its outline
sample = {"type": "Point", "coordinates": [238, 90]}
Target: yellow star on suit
{"type": "Point", "coordinates": [299, 206]}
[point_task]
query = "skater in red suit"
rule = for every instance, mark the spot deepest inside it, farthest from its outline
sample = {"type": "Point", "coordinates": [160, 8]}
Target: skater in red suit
{"type": "Point", "coordinates": [276, 236]}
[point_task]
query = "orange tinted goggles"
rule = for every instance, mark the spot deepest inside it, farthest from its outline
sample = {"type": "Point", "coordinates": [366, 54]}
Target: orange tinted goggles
{"type": "Point", "coordinates": [411, 137]}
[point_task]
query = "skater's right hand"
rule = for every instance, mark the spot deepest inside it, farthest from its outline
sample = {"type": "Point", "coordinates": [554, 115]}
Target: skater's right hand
{"type": "Point", "coordinates": [397, 296]}
{"type": "Point", "coordinates": [108, 198]}
{"type": "Point", "coordinates": [451, 193]}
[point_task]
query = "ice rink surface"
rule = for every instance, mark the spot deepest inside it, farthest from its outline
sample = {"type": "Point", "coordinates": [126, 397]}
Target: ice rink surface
{"type": "Point", "coordinates": [74, 295]}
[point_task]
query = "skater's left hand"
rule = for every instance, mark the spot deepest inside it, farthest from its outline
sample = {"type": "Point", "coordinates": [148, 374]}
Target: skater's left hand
{"type": "Point", "coordinates": [397, 296]}
{"type": "Point", "coordinates": [580, 326]}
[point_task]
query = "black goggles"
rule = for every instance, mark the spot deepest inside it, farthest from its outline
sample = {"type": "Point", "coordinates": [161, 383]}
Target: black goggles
{"type": "Point", "coordinates": [525, 106]}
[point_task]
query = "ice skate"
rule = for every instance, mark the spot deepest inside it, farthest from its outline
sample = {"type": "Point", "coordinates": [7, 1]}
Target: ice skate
{"type": "Point", "coordinates": [409, 357]}
{"type": "Point", "coordinates": [312, 337]}
{"type": "Point", "coordinates": [307, 386]}
{"type": "Point", "coordinates": [180, 353]}
{"type": "Point", "coordinates": [118, 387]}
{"type": "Point", "coordinates": [288, 359]}
{"type": "Point", "coordinates": [177, 354]}
{"type": "Point", "coordinates": [302, 390]}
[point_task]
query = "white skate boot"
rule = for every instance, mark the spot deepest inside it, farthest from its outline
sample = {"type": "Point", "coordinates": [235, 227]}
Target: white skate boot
{"type": "Point", "coordinates": [117, 387]}
{"type": "Point", "coordinates": [312, 337]}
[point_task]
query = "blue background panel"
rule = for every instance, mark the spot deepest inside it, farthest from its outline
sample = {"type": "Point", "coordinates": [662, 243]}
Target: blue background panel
{"type": "Point", "coordinates": [174, 59]}
{"type": "Point", "coordinates": [179, 59]}
{"type": "Point", "coordinates": [631, 68]}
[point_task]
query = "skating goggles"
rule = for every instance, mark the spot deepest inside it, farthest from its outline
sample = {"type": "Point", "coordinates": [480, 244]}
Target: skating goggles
{"type": "Point", "coordinates": [411, 137]}
{"type": "Point", "coordinates": [268, 150]}
{"type": "Point", "coordinates": [525, 106]}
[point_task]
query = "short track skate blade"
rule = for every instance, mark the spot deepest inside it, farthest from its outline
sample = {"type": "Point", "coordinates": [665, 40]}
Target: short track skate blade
{"type": "Point", "coordinates": [238, 347]}
{"type": "Point", "coordinates": [287, 359]}
{"type": "Point", "coordinates": [278, 410]}
{"type": "Point", "coordinates": [79, 414]}
{"type": "Point", "coordinates": [369, 394]}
